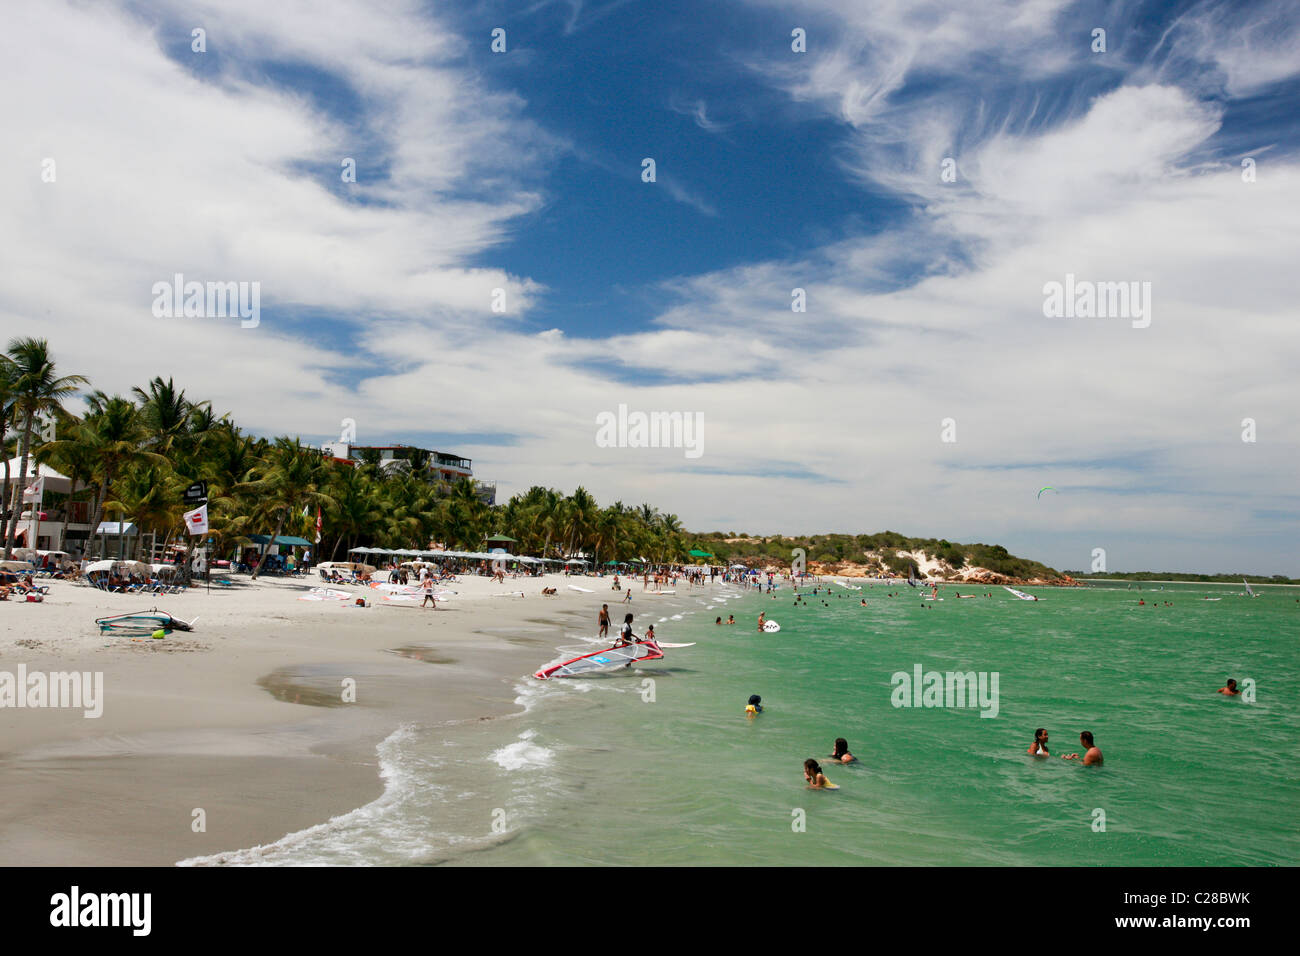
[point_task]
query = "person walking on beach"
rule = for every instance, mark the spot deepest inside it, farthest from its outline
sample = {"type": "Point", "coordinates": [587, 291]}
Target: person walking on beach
{"type": "Point", "coordinates": [1093, 753]}
{"type": "Point", "coordinates": [427, 588]}
{"type": "Point", "coordinates": [603, 620]}
{"type": "Point", "coordinates": [627, 598]}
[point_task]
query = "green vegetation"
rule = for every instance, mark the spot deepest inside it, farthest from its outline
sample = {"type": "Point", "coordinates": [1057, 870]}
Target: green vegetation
{"type": "Point", "coordinates": [837, 548]}
{"type": "Point", "coordinates": [131, 457]}
{"type": "Point", "coordinates": [1181, 576]}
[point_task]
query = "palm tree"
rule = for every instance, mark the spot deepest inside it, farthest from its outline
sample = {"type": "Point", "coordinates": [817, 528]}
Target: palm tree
{"type": "Point", "coordinates": [73, 457]}
{"type": "Point", "coordinates": [291, 478]}
{"type": "Point", "coordinates": [36, 390]}
{"type": "Point", "coordinates": [6, 415]}
{"type": "Point", "coordinates": [114, 435]}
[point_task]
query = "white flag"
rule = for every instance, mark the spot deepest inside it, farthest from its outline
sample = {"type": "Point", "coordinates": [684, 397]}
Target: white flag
{"type": "Point", "coordinates": [34, 491]}
{"type": "Point", "coordinates": [196, 521]}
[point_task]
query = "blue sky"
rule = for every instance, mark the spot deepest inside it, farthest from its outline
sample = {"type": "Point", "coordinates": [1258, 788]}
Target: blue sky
{"type": "Point", "coordinates": [775, 170]}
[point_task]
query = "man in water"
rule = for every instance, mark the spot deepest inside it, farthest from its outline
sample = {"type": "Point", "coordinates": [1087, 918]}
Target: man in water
{"type": "Point", "coordinates": [1231, 689]}
{"type": "Point", "coordinates": [603, 620]}
{"type": "Point", "coordinates": [1093, 753]}
{"type": "Point", "coordinates": [762, 619]}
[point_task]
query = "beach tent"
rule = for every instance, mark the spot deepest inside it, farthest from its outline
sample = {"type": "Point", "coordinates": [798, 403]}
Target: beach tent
{"type": "Point", "coordinates": [281, 540]}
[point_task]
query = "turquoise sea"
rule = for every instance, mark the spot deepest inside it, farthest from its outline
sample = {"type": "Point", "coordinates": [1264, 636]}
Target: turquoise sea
{"type": "Point", "coordinates": [594, 771]}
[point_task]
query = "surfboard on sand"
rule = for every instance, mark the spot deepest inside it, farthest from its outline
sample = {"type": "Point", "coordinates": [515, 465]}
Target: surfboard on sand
{"type": "Point", "coordinates": [574, 587]}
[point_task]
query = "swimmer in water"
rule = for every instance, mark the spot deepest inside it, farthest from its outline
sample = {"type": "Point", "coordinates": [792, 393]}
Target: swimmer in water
{"type": "Point", "coordinates": [812, 772]}
{"type": "Point", "coordinates": [864, 602]}
{"type": "Point", "coordinates": [718, 621]}
{"type": "Point", "coordinates": [754, 707]}
{"type": "Point", "coordinates": [1093, 753]}
{"type": "Point", "coordinates": [841, 753]}
{"type": "Point", "coordinates": [731, 619]}
{"type": "Point", "coordinates": [1039, 747]}
{"type": "Point", "coordinates": [1231, 689]}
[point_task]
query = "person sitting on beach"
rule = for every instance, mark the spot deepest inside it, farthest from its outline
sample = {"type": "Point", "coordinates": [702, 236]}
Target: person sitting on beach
{"type": "Point", "coordinates": [754, 707]}
{"type": "Point", "coordinates": [842, 751]}
{"type": "Point", "coordinates": [1039, 747]}
{"type": "Point", "coordinates": [1092, 754]}
{"type": "Point", "coordinates": [548, 591]}
{"type": "Point", "coordinates": [1231, 689]}
{"type": "Point", "coordinates": [812, 772]}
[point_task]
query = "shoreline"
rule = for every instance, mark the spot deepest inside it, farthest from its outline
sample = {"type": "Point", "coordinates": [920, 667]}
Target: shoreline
{"type": "Point", "coordinates": [242, 719]}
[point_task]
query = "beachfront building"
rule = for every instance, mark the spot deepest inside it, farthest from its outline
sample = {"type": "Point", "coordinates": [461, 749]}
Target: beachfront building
{"type": "Point", "coordinates": [47, 520]}
{"type": "Point", "coordinates": [438, 466]}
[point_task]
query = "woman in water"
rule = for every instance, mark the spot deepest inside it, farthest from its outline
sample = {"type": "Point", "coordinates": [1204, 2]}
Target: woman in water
{"type": "Point", "coordinates": [1039, 747]}
{"type": "Point", "coordinates": [841, 753]}
{"type": "Point", "coordinates": [812, 772]}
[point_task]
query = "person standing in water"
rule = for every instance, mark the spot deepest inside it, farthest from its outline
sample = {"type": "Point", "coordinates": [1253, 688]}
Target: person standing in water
{"type": "Point", "coordinates": [1093, 753]}
{"type": "Point", "coordinates": [1039, 747]}
{"type": "Point", "coordinates": [762, 619]}
{"type": "Point", "coordinates": [603, 620]}
{"type": "Point", "coordinates": [841, 753]}
{"type": "Point", "coordinates": [625, 635]}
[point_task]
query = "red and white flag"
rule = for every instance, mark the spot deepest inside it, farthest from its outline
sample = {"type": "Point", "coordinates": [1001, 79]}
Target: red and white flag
{"type": "Point", "coordinates": [34, 491]}
{"type": "Point", "coordinates": [318, 525]}
{"type": "Point", "coordinates": [196, 521]}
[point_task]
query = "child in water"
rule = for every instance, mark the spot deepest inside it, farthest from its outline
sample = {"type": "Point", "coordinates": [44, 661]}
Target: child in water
{"type": "Point", "coordinates": [754, 707]}
{"type": "Point", "coordinates": [812, 772]}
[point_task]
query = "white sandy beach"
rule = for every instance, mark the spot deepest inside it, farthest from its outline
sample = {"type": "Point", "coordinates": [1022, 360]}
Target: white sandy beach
{"type": "Point", "coordinates": [243, 717]}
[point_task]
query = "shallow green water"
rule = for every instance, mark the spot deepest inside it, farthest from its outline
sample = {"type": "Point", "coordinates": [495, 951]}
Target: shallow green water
{"type": "Point", "coordinates": [1190, 777]}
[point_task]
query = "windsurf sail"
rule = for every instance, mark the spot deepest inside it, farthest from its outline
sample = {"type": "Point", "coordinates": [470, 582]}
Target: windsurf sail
{"type": "Point", "coordinates": [911, 575]}
{"type": "Point", "coordinates": [142, 622]}
{"type": "Point", "coordinates": [608, 658]}
{"type": "Point", "coordinates": [1249, 592]}
{"type": "Point", "coordinates": [1020, 594]}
